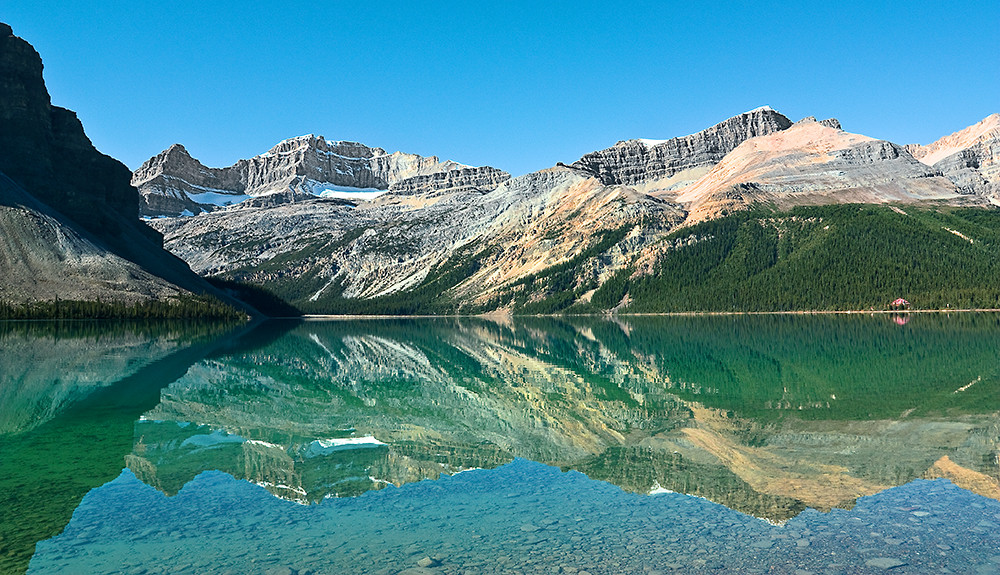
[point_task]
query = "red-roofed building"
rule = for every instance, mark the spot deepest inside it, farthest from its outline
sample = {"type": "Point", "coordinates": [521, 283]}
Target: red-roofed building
{"type": "Point", "coordinates": [900, 302]}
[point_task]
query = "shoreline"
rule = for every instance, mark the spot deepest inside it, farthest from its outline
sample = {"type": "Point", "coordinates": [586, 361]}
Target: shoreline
{"type": "Point", "coordinates": [504, 317]}
{"type": "Point", "coordinates": [326, 317]}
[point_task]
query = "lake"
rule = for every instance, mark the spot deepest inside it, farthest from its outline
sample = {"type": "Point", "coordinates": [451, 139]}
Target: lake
{"type": "Point", "coordinates": [733, 444]}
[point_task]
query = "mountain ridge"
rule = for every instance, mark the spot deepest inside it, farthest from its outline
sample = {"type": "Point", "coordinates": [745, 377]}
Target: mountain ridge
{"type": "Point", "coordinates": [339, 226]}
{"type": "Point", "coordinates": [633, 162]}
{"type": "Point", "coordinates": [811, 162]}
{"type": "Point", "coordinates": [969, 157]}
{"type": "Point", "coordinates": [294, 169]}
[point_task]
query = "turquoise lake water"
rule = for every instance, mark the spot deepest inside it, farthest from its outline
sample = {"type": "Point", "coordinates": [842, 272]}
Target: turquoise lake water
{"type": "Point", "coordinates": [774, 444]}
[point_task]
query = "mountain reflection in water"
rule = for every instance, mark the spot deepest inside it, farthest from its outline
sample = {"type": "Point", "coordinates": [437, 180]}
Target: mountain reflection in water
{"type": "Point", "coordinates": [71, 393]}
{"type": "Point", "coordinates": [766, 415]}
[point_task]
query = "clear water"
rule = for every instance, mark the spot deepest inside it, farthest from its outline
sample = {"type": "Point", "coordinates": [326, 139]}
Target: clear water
{"type": "Point", "coordinates": [639, 445]}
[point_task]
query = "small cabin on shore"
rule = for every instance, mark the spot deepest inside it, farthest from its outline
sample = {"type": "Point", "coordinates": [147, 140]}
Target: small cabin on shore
{"type": "Point", "coordinates": [900, 303]}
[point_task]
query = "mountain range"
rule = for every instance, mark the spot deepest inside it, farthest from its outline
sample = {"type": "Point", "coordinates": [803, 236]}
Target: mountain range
{"type": "Point", "coordinates": [342, 227]}
{"type": "Point", "coordinates": [338, 227]}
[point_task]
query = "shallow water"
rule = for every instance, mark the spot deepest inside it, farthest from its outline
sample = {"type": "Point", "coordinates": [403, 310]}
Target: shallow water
{"type": "Point", "coordinates": [739, 444]}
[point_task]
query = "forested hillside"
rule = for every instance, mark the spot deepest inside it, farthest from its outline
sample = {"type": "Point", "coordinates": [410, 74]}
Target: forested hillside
{"type": "Point", "coordinates": [822, 258]}
{"type": "Point", "coordinates": [836, 257]}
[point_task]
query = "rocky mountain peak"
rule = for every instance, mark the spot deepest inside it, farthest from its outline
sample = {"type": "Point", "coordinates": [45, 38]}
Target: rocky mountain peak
{"type": "Point", "coordinates": [176, 153]}
{"type": "Point", "coordinates": [813, 163]}
{"type": "Point", "coordinates": [177, 149]}
{"type": "Point", "coordinates": [174, 183]}
{"type": "Point", "coordinates": [313, 143]}
{"type": "Point", "coordinates": [829, 122]}
{"type": "Point", "coordinates": [986, 129]}
{"type": "Point", "coordinates": [173, 161]}
{"type": "Point", "coordinates": [633, 162]}
{"type": "Point", "coordinates": [970, 157]}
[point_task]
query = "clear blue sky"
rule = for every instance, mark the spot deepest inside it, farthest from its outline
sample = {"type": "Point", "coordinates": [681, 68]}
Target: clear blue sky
{"type": "Point", "coordinates": [517, 85]}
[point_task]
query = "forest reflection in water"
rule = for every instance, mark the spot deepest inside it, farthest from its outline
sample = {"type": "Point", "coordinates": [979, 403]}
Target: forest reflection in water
{"type": "Point", "coordinates": [768, 415]}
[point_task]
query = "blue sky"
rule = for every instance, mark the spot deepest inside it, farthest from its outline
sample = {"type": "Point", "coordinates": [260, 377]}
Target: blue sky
{"type": "Point", "coordinates": [516, 85]}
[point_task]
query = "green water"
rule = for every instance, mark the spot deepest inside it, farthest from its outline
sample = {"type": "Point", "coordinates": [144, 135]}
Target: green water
{"type": "Point", "coordinates": [766, 415]}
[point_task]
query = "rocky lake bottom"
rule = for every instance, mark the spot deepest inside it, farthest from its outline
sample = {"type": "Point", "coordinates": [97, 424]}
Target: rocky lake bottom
{"type": "Point", "coordinates": [523, 517]}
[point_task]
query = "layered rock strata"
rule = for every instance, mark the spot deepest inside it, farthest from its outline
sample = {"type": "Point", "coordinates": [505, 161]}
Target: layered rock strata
{"type": "Point", "coordinates": [504, 233]}
{"type": "Point", "coordinates": [970, 158]}
{"type": "Point", "coordinates": [44, 149]}
{"type": "Point", "coordinates": [813, 163]}
{"type": "Point", "coordinates": [173, 181]}
{"type": "Point", "coordinates": [392, 243]}
{"type": "Point", "coordinates": [633, 162]}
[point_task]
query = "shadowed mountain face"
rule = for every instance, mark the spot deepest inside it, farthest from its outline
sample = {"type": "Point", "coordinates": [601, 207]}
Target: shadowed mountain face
{"type": "Point", "coordinates": [44, 149]}
{"type": "Point", "coordinates": [69, 225]}
{"type": "Point", "coordinates": [767, 416]}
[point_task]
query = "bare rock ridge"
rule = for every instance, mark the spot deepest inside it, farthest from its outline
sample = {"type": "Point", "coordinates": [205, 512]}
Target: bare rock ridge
{"type": "Point", "coordinates": [393, 243]}
{"type": "Point", "coordinates": [632, 162]}
{"type": "Point", "coordinates": [813, 163]}
{"type": "Point", "coordinates": [68, 225]}
{"type": "Point", "coordinates": [297, 168]}
{"type": "Point", "coordinates": [484, 178]}
{"type": "Point", "coordinates": [970, 158]}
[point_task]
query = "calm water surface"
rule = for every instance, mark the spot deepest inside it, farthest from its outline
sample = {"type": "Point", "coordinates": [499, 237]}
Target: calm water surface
{"type": "Point", "coordinates": [448, 446]}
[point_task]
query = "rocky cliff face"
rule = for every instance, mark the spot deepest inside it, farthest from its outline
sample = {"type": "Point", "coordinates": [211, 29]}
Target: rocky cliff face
{"type": "Point", "coordinates": [976, 169]}
{"type": "Point", "coordinates": [44, 150]}
{"type": "Point", "coordinates": [317, 251]}
{"type": "Point", "coordinates": [675, 162]}
{"type": "Point", "coordinates": [484, 178]}
{"type": "Point", "coordinates": [970, 158]}
{"type": "Point", "coordinates": [68, 216]}
{"type": "Point", "coordinates": [297, 168]}
{"type": "Point", "coordinates": [814, 163]}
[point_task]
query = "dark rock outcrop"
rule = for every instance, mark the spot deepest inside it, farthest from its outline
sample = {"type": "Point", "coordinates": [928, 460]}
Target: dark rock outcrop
{"type": "Point", "coordinates": [44, 149]}
{"type": "Point", "coordinates": [634, 161]}
{"type": "Point", "coordinates": [69, 224]}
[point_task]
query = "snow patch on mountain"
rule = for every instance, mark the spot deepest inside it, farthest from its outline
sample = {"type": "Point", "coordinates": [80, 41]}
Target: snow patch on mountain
{"type": "Point", "coordinates": [329, 190]}
{"type": "Point", "coordinates": [219, 198]}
